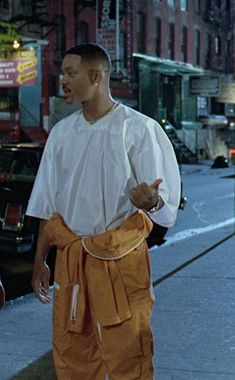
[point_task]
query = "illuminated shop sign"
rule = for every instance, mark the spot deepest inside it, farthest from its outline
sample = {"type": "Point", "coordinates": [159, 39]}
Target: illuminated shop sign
{"type": "Point", "coordinates": [17, 72]}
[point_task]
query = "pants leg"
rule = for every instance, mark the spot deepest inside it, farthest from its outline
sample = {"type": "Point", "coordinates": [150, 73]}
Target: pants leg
{"type": "Point", "coordinates": [127, 348]}
{"type": "Point", "coordinates": [76, 356]}
{"type": "Point", "coordinates": [123, 351]}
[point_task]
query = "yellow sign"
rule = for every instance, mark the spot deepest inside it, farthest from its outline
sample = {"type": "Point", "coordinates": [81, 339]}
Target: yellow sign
{"type": "Point", "coordinates": [18, 72]}
{"type": "Point", "coordinates": [26, 65]}
{"type": "Point", "coordinates": [22, 78]}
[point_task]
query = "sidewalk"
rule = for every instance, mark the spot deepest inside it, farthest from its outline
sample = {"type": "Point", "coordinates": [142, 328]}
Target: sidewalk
{"type": "Point", "coordinates": [25, 340]}
{"type": "Point", "coordinates": [193, 322]}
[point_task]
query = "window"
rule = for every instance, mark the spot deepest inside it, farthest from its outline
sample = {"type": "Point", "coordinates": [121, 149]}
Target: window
{"type": "Point", "coordinates": [202, 106]}
{"type": "Point", "coordinates": [60, 39]}
{"type": "Point", "coordinates": [184, 43]}
{"type": "Point", "coordinates": [5, 4]}
{"type": "Point", "coordinates": [197, 6]}
{"type": "Point", "coordinates": [82, 32]}
{"type": "Point", "coordinates": [218, 45]}
{"type": "Point", "coordinates": [9, 99]}
{"type": "Point", "coordinates": [208, 44]}
{"type": "Point", "coordinates": [171, 3]}
{"type": "Point", "coordinates": [227, 5]}
{"type": "Point", "coordinates": [229, 48]}
{"type": "Point", "coordinates": [158, 33]}
{"type": "Point", "coordinates": [184, 5]}
{"type": "Point", "coordinates": [208, 48]}
{"type": "Point", "coordinates": [141, 21]}
{"type": "Point", "coordinates": [19, 163]}
{"type": "Point", "coordinates": [197, 46]}
{"type": "Point", "coordinates": [171, 41]}
{"type": "Point", "coordinates": [208, 4]}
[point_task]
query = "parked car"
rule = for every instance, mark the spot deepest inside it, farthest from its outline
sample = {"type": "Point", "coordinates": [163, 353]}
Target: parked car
{"type": "Point", "coordinates": [18, 168]}
{"type": "Point", "coordinates": [18, 233]}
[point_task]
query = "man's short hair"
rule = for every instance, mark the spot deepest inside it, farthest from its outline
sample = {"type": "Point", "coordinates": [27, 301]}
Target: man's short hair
{"type": "Point", "coordinates": [91, 52]}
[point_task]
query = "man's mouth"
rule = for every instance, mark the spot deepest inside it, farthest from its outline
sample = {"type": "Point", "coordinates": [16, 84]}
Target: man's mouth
{"type": "Point", "coordinates": [66, 91]}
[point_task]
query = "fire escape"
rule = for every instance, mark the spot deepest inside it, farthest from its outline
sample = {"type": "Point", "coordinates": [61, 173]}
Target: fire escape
{"type": "Point", "coordinates": [219, 45]}
{"type": "Point", "coordinates": [33, 18]}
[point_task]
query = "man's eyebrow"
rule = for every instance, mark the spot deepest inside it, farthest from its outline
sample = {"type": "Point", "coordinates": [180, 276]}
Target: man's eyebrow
{"type": "Point", "coordinates": [67, 68]}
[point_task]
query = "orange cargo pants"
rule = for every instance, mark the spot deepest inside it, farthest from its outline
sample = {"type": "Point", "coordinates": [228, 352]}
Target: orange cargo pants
{"type": "Point", "coordinates": [102, 307]}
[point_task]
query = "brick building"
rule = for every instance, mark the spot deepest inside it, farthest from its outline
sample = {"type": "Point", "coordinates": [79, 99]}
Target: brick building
{"type": "Point", "coordinates": [162, 46]}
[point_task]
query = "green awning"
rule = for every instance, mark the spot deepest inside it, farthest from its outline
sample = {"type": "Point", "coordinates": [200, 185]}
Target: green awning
{"type": "Point", "coordinates": [166, 66]}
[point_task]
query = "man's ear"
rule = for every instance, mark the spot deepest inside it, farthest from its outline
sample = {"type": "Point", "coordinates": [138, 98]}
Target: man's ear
{"type": "Point", "coordinates": [95, 76]}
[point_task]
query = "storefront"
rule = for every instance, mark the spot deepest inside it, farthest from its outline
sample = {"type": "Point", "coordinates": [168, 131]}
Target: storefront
{"type": "Point", "coordinates": [20, 83]}
{"type": "Point", "coordinates": [164, 90]}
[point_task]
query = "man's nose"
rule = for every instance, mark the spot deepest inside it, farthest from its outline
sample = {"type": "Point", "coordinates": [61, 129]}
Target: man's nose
{"type": "Point", "coordinates": [62, 79]}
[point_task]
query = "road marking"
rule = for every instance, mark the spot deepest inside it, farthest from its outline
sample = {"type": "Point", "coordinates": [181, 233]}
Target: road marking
{"type": "Point", "coordinates": [225, 196]}
{"type": "Point", "coordinates": [185, 234]}
{"type": "Point", "coordinates": [190, 261]}
{"type": "Point", "coordinates": [199, 209]}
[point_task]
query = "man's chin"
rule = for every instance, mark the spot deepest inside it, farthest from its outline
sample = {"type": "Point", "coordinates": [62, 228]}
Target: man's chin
{"type": "Point", "coordinates": [68, 100]}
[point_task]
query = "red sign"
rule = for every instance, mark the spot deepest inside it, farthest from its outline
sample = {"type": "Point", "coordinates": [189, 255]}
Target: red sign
{"type": "Point", "coordinates": [18, 72]}
{"type": "Point", "coordinates": [106, 25]}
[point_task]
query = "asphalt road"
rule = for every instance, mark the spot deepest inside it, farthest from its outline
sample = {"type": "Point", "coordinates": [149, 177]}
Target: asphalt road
{"type": "Point", "coordinates": [207, 218]}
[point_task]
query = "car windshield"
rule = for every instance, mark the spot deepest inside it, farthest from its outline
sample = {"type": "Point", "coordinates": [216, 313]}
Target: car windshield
{"type": "Point", "coordinates": [18, 163]}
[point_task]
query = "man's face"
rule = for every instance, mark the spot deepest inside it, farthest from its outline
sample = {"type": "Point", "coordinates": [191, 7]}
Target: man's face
{"type": "Point", "coordinates": [76, 81]}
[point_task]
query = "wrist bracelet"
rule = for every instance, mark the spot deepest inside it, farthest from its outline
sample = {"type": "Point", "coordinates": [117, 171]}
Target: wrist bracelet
{"type": "Point", "coordinates": [157, 207]}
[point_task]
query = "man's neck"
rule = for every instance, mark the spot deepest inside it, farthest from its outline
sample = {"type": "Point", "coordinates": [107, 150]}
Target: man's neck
{"type": "Point", "coordinates": [94, 111]}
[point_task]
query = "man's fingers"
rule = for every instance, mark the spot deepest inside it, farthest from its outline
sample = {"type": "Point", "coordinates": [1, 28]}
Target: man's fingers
{"type": "Point", "coordinates": [156, 183]}
{"type": "Point", "coordinates": [41, 292]}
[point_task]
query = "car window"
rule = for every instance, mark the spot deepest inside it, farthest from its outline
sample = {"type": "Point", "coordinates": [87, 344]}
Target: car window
{"type": "Point", "coordinates": [19, 163]}
{"type": "Point", "coordinates": [5, 161]}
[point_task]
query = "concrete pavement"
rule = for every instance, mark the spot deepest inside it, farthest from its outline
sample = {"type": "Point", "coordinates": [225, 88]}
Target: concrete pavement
{"type": "Point", "coordinates": [194, 319]}
{"type": "Point", "coordinates": [193, 322]}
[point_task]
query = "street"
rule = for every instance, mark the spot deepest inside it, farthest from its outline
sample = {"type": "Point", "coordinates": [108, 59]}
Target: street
{"type": "Point", "coordinates": [194, 313]}
{"type": "Point", "coordinates": [207, 218]}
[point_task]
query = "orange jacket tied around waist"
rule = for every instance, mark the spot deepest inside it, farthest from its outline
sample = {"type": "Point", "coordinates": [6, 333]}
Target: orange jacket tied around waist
{"type": "Point", "coordinates": [71, 269]}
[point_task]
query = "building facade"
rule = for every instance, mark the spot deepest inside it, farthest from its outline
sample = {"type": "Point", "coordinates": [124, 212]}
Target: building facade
{"type": "Point", "coordinates": [172, 59]}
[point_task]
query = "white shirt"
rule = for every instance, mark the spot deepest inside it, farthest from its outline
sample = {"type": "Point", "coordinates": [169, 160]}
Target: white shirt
{"type": "Point", "coordinates": [87, 171]}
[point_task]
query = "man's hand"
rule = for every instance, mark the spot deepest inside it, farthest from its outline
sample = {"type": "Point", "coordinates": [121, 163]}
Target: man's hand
{"type": "Point", "coordinates": [40, 281]}
{"type": "Point", "coordinates": [145, 196]}
{"type": "Point", "coordinates": [41, 271]}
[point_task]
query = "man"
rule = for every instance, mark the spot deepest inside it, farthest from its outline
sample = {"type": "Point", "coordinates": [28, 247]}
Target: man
{"type": "Point", "coordinates": [104, 168]}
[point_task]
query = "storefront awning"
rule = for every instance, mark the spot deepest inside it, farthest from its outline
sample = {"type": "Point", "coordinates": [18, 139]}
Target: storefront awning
{"type": "Point", "coordinates": [167, 66]}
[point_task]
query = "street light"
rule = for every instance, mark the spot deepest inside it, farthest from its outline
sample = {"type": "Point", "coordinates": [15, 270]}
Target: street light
{"type": "Point", "coordinates": [16, 44]}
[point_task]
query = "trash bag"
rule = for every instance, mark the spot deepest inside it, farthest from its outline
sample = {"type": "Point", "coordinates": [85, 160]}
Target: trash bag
{"type": "Point", "coordinates": [220, 162]}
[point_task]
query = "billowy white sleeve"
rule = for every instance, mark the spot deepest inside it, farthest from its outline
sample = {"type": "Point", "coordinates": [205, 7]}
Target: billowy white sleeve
{"type": "Point", "coordinates": [42, 200]}
{"type": "Point", "coordinates": [154, 158]}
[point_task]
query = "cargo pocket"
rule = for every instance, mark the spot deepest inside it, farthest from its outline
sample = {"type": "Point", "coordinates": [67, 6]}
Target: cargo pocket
{"type": "Point", "coordinates": [121, 341]}
{"type": "Point", "coordinates": [128, 348]}
{"type": "Point", "coordinates": [135, 272]}
{"type": "Point", "coordinates": [129, 369]}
